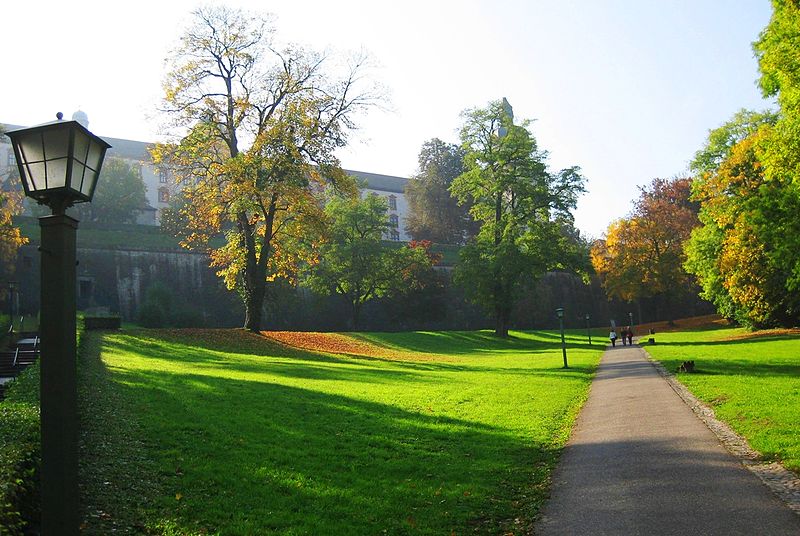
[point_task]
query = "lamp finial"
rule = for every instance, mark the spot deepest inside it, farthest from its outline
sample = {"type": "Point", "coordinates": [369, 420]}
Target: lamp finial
{"type": "Point", "coordinates": [59, 116]}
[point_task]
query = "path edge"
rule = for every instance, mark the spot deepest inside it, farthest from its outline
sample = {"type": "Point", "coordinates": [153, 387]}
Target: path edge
{"type": "Point", "coordinates": [782, 482]}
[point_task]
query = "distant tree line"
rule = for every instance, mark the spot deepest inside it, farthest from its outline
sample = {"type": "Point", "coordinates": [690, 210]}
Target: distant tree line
{"type": "Point", "coordinates": [733, 227]}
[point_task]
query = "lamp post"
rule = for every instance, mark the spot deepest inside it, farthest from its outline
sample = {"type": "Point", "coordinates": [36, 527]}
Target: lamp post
{"type": "Point", "coordinates": [588, 329]}
{"type": "Point", "coordinates": [59, 163]}
{"type": "Point", "coordinates": [12, 285]}
{"type": "Point", "coordinates": [630, 318]}
{"type": "Point", "coordinates": [560, 315]}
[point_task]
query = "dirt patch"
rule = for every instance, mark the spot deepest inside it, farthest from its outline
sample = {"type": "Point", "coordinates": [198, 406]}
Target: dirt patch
{"type": "Point", "coordinates": [695, 322]}
{"type": "Point", "coordinates": [764, 333]}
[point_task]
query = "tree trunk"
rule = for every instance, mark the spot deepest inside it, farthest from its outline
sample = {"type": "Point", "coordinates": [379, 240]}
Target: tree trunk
{"type": "Point", "coordinates": [356, 314]}
{"type": "Point", "coordinates": [502, 318]}
{"type": "Point", "coordinates": [253, 305]}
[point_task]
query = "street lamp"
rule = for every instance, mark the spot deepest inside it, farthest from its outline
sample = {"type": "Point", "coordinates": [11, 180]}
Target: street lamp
{"type": "Point", "coordinates": [59, 163]}
{"type": "Point", "coordinates": [588, 330]}
{"type": "Point", "coordinates": [560, 315]}
{"type": "Point", "coordinates": [630, 318]}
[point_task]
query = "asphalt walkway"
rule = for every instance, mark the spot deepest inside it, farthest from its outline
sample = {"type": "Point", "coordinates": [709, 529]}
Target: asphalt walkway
{"type": "Point", "coordinates": [640, 462]}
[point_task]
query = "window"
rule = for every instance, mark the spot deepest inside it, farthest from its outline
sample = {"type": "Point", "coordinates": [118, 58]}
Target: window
{"type": "Point", "coordinates": [12, 161]}
{"type": "Point", "coordinates": [393, 221]}
{"type": "Point", "coordinates": [163, 176]}
{"type": "Point", "coordinates": [394, 234]}
{"type": "Point", "coordinates": [392, 202]}
{"type": "Point", "coordinates": [85, 287]}
{"type": "Point", "coordinates": [163, 195]}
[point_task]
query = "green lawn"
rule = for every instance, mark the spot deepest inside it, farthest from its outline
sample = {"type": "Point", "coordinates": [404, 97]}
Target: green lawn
{"type": "Point", "coordinates": [752, 382]}
{"type": "Point", "coordinates": [205, 432]}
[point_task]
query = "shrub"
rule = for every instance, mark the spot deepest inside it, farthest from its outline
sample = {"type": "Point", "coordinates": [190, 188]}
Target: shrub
{"type": "Point", "coordinates": [20, 459]}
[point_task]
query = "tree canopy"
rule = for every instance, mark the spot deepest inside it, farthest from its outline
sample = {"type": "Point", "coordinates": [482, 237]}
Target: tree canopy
{"type": "Point", "coordinates": [258, 126]}
{"type": "Point", "coordinates": [119, 196]}
{"type": "Point", "coordinates": [353, 260]}
{"type": "Point", "coordinates": [522, 208]}
{"type": "Point", "coordinates": [642, 255]}
{"type": "Point", "coordinates": [739, 255]}
{"type": "Point", "coordinates": [434, 214]}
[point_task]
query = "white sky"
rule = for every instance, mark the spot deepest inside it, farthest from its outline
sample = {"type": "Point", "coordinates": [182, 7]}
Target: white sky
{"type": "Point", "coordinates": [626, 89]}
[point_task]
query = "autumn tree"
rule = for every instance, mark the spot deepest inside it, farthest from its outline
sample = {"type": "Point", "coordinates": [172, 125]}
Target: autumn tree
{"type": "Point", "coordinates": [119, 195]}
{"type": "Point", "coordinates": [434, 214]}
{"type": "Point", "coordinates": [10, 237]}
{"type": "Point", "coordinates": [747, 254]}
{"type": "Point", "coordinates": [353, 260]}
{"type": "Point", "coordinates": [738, 253]}
{"type": "Point", "coordinates": [642, 255]}
{"type": "Point", "coordinates": [259, 126]}
{"type": "Point", "coordinates": [522, 208]}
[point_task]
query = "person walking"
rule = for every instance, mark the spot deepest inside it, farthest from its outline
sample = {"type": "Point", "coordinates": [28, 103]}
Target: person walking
{"type": "Point", "coordinates": [613, 337]}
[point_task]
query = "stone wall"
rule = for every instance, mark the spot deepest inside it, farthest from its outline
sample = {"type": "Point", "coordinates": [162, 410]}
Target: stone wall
{"type": "Point", "coordinates": [116, 281]}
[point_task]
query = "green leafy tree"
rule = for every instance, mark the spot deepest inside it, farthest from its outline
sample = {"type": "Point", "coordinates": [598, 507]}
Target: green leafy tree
{"type": "Point", "coordinates": [738, 254]}
{"type": "Point", "coordinates": [353, 260]}
{"type": "Point", "coordinates": [119, 195]}
{"type": "Point", "coordinates": [779, 63]}
{"type": "Point", "coordinates": [746, 255]}
{"type": "Point", "coordinates": [434, 214]}
{"type": "Point", "coordinates": [259, 127]}
{"type": "Point", "coordinates": [521, 206]}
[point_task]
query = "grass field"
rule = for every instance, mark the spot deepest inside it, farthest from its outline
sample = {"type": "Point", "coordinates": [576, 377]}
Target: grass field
{"type": "Point", "coordinates": [752, 380]}
{"type": "Point", "coordinates": [205, 432]}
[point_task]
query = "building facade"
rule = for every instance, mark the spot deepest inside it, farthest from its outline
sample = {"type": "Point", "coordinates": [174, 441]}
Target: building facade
{"type": "Point", "coordinates": [160, 186]}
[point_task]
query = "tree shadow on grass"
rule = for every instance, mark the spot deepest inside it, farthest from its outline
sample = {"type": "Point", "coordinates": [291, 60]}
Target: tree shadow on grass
{"type": "Point", "coordinates": [308, 364]}
{"type": "Point", "coordinates": [465, 342]}
{"type": "Point", "coordinates": [246, 457]}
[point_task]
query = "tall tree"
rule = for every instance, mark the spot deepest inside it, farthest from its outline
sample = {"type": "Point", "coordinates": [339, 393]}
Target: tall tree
{"type": "Point", "coordinates": [434, 214]}
{"type": "Point", "coordinates": [521, 206]}
{"type": "Point", "coordinates": [119, 196]}
{"type": "Point", "coordinates": [353, 260]}
{"type": "Point", "coordinates": [260, 126]}
{"type": "Point", "coordinates": [739, 254]}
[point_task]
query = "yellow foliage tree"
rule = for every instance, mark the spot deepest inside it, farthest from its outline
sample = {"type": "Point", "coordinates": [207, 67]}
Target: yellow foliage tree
{"type": "Point", "coordinates": [259, 127]}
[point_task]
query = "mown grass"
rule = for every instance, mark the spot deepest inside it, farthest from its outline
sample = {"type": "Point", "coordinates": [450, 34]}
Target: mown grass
{"type": "Point", "coordinates": [236, 434]}
{"type": "Point", "coordinates": [751, 380]}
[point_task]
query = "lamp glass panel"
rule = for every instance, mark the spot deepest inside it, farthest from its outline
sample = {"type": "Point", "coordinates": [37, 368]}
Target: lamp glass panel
{"type": "Point", "coordinates": [81, 146]}
{"type": "Point", "coordinates": [56, 142]}
{"type": "Point", "coordinates": [56, 173]}
{"type": "Point", "coordinates": [95, 155]}
{"type": "Point", "coordinates": [30, 146]}
{"type": "Point", "coordinates": [36, 178]}
{"type": "Point", "coordinates": [78, 173]}
{"type": "Point", "coordinates": [89, 179]}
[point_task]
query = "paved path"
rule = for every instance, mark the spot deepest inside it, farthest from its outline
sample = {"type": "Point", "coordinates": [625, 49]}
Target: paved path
{"type": "Point", "coordinates": [639, 462]}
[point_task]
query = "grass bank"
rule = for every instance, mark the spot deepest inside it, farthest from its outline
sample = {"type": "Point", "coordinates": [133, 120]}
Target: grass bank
{"type": "Point", "coordinates": [752, 380]}
{"type": "Point", "coordinates": [402, 433]}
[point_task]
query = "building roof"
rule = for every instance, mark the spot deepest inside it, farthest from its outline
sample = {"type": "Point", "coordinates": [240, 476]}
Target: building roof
{"type": "Point", "coordinates": [376, 181]}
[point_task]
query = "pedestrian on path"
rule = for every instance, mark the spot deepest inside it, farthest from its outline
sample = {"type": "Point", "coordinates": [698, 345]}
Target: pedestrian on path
{"type": "Point", "coordinates": [613, 337]}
